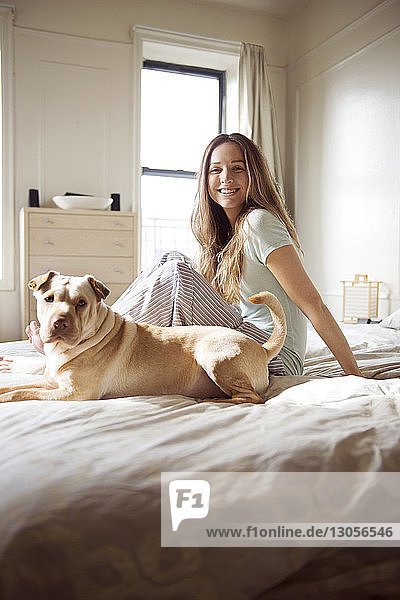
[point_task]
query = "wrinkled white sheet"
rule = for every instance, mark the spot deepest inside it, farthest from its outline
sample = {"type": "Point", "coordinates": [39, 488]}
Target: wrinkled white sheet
{"type": "Point", "coordinates": [376, 348]}
{"type": "Point", "coordinates": [80, 484]}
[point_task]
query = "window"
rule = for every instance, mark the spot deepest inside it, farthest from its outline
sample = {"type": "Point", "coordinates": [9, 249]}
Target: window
{"type": "Point", "coordinates": [7, 253]}
{"type": "Point", "coordinates": [150, 44]}
{"type": "Point", "coordinates": [182, 109]}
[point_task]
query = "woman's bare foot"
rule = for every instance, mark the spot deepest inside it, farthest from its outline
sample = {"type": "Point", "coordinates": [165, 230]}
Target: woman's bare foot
{"type": "Point", "coordinates": [34, 365]}
{"type": "Point", "coordinates": [23, 364]}
{"type": "Point", "coordinates": [32, 331]}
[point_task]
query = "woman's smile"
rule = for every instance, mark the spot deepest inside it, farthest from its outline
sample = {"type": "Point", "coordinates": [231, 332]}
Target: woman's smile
{"type": "Point", "coordinates": [228, 191]}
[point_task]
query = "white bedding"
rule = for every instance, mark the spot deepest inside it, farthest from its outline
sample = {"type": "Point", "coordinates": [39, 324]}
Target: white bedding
{"type": "Point", "coordinates": [80, 484]}
{"type": "Point", "coordinates": [376, 349]}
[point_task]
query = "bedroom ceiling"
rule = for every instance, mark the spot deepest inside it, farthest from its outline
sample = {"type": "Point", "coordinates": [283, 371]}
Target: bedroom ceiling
{"type": "Point", "coordinates": [276, 8]}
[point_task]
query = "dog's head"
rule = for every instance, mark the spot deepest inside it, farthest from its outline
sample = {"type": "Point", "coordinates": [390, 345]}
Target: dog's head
{"type": "Point", "coordinates": [68, 308]}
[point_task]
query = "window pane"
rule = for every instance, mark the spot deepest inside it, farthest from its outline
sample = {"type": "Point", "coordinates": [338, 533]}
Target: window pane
{"type": "Point", "coordinates": [179, 118]}
{"type": "Point", "coordinates": [167, 204]}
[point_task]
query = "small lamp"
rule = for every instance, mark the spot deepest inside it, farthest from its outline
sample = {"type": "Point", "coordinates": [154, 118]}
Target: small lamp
{"type": "Point", "coordinates": [360, 299]}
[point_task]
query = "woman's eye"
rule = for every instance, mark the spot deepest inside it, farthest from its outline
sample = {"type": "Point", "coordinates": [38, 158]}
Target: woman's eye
{"type": "Point", "coordinates": [49, 299]}
{"type": "Point", "coordinates": [214, 171]}
{"type": "Point", "coordinates": [81, 303]}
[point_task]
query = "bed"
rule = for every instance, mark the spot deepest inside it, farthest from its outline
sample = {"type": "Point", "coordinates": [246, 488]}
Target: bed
{"type": "Point", "coordinates": [80, 483]}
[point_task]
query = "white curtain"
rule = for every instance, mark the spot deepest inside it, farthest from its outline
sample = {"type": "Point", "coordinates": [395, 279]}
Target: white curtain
{"type": "Point", "coordinates": [257, 118]}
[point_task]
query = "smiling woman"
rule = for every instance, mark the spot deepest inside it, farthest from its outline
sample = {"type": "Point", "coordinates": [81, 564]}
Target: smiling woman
{"type": "Point", "coordinates": [249, 244]}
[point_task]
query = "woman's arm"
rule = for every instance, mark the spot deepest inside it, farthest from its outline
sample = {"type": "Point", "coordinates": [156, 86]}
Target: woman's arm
{"type": "Point", "coordinates": [287, 268]}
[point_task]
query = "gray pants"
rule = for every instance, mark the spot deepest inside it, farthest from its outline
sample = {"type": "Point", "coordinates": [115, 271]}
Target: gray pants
{"type": "Point", "coordinates": [172, 293]}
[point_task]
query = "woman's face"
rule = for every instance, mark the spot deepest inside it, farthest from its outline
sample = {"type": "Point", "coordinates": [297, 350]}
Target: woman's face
{"type": "Point", "coordinates": [228, 179]}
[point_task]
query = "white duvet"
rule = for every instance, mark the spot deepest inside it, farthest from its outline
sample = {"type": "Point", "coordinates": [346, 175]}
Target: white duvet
{"type": "Point", "coordinates": [80, 484]}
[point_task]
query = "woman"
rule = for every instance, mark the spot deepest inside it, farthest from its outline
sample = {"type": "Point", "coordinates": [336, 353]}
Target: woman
{"type": "Point", "coordinates": [247, 244]}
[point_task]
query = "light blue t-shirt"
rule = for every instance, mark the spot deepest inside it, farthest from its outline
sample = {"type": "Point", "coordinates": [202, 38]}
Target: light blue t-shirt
{"type": "Point", "coordinates": [266, 233]}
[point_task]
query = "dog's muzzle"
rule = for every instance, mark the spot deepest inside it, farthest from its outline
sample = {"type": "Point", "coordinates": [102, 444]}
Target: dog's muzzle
{"type": "Point", "coordinates": [61, 327]}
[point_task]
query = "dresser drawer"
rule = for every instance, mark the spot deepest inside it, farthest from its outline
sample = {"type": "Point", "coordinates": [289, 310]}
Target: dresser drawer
{"type": "Point", "coordinates": [48, 220]}
{"type": "Point", "coordinates": [72, 242]}
{"type": "Point", "coordinates": [110, 270]}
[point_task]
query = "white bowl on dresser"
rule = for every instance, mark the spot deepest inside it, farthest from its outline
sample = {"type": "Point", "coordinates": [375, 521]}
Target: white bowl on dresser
{"type": "Point", "coordinates": [82, 202]}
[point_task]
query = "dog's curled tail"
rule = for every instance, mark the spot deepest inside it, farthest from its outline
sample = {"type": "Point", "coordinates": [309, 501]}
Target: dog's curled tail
{"type": "Point", "coordinates": [275, 342]}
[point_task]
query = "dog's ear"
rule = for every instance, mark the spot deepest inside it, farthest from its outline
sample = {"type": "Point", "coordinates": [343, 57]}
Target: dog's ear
{"type": "Point", "coordinates": [99, 288]}
{"type": "Point", "coordinates": [36, 283]}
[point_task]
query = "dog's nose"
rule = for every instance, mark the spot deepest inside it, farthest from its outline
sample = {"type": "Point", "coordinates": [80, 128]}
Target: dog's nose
{"type": "Point", "coordinates": [61, 324]}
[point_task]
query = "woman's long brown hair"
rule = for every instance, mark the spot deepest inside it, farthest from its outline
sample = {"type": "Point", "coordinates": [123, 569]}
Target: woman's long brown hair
{"type": "Point", "coordinates": [221, 246]}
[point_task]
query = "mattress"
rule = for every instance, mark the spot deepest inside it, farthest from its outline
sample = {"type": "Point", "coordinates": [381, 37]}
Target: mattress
{"type": "Point", "coordinates": [80, 483]}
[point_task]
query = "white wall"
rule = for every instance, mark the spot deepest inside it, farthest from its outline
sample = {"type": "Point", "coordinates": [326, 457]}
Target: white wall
{"type": "Point", "coordinates": [343, 165]}
{"type": "Point", "coordinates": [320, 20]}
{"type": "Point", "coordinates": [66, 48]}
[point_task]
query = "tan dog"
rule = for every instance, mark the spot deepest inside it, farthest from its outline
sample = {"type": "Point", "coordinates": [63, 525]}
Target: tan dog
{"type": "Point", "coordinates": [93, 352]}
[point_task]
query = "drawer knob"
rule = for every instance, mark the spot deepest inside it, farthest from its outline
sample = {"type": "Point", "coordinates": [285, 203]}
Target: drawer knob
{"type": "Point", "coordinates": [117, 243]}
{"type": "Point", "coordinates": [117, 223]}
{"type": "Point", "coordinates": [47, 241]}
{"type": "Point", "coordinates": [116, 270]}
{"type": "Point", "coordinates": [47, 220]}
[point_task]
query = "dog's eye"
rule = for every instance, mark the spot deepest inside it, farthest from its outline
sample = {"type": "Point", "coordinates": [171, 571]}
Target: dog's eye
{"type": "Point", "coordinates": [81, 303]}
{"type": "Point", "coordinates": [49, 299]}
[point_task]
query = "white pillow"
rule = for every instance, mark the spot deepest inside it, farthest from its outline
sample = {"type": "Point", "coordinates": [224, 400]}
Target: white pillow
{"type": "Point", "coordinates": [392, 321]}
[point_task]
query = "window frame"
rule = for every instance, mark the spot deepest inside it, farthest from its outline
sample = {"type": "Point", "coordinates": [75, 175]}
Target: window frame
{"type": "Point", "coordinates": [7, 247]}
{"type": "Point", "coordinates": [171, 46]}
{"type": "Point", "coordinates": [167, 67]}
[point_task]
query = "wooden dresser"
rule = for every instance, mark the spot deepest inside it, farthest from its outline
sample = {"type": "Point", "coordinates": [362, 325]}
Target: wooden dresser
{"type": "Point", "coordinates": [75, 242]}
